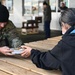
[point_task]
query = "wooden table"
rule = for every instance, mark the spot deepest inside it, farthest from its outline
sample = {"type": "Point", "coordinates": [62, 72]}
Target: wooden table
{"type": "Point", "coordinates": [16, 65]}
{"type": "Point", "coordinates": [44, 45]}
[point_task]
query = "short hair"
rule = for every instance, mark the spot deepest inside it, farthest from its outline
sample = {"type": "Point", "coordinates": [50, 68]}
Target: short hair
{"type": "Point", "coordinates": [68, 16]}
{"type": "Point", "coordinates": [45, 3]}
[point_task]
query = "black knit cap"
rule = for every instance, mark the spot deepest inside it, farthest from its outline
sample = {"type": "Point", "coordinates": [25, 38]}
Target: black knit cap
{"type": "Point", "coordinates": [45, 3]}
{"type": "Point", "coordinates": [4, 14]}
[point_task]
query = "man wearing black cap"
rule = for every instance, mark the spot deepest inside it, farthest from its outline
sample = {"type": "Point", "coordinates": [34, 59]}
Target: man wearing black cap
{"type": "Point", "coordinates": [8, 34]}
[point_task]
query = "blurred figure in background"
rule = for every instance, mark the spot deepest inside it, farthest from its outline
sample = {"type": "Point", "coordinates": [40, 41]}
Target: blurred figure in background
{"type": "Point", "coordinates": [63, 7]}
{"type": "Point", "coordinates": [47, 19]}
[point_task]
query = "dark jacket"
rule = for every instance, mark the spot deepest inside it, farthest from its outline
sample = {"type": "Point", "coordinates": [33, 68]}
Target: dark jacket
{"type": "Point", "coordinates": [62, 56]}
{"type": "Point", "coordinates": [62, 9]}
{"type": "Point", "coordinates": [47, 13]}
{"type": "Point", "coordinates": [9, 36]}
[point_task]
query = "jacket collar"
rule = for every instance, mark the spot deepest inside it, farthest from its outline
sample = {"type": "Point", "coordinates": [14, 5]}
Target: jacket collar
{"type": "Point", "coordinates": [69, 31]}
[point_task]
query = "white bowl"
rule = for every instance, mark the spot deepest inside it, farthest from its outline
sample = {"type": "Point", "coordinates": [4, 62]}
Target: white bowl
{"type": "Point", "coordinates": [16, 51]}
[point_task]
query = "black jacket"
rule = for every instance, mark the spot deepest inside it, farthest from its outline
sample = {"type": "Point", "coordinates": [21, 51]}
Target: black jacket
{"type": "Point", "coordinates": [62, 9]}
{"type": "Point", "coordinates": [47, 13]}
{"type": "Point", "coordinates": [62, 56]}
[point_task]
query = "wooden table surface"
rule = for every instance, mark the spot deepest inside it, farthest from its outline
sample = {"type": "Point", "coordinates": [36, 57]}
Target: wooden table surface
{"type": "Point", "coordinates": [17, 65]}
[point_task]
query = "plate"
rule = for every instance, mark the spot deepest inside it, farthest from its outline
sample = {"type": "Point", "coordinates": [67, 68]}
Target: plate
{"type": "Point", "coordinates": [16, 51]}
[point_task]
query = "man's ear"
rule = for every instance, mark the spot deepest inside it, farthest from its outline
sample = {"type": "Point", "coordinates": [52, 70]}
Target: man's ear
{"type": "Point", "coordinates": [67, 26]}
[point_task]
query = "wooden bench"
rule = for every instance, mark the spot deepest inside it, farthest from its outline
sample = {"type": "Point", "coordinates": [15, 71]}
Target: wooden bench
{"type": "Point", "coordinates": [38, 19]}
{"type": "Point", "coordinates": [30, 27]}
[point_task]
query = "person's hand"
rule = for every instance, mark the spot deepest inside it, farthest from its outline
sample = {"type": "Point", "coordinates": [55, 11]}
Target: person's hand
{"type": "Point", "coordinates": [5, 50]}
{"type": "Point", "coordinates": [27, 51]}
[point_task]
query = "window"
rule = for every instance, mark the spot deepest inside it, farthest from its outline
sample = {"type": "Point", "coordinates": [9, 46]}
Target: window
{"type": "Point", "coordinates": [8, 4]}
{"type": "Point", "coordinates": [53, 5]}
{"type": "Point", "coordinates": [32, 8]}
{"type": "Point", "coordinates": [65, 1]}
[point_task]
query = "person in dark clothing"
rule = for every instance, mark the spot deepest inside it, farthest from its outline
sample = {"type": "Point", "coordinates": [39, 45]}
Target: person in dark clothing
{"type": "Point", "coordinates": [62, 56]}
{"type": "Point", "coordinates": [47, 19]}
{"type": "Point", "coordinates": [63, 7]}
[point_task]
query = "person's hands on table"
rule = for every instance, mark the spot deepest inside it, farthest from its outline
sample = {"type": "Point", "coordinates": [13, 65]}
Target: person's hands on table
{"type": "Point", "coordinates": [27, 51]}
{"type": "Point", "coordinates": [5, 50]}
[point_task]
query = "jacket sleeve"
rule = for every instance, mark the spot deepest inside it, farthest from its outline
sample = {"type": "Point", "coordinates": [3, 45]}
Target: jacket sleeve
{"type": "Point", "coordinates": [12, 34]}
{"type": "Point", "coordinates": [49, 59]}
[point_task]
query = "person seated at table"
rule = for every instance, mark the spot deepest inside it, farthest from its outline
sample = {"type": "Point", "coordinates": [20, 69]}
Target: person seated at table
{"type": "Point", "coordinates": [8, 33]}
{"type": "Point", "coordinates": [62, 56]}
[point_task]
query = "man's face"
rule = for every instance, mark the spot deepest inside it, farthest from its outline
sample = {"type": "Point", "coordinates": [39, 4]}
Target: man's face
{"type": "Point", "coordinates": [44, 6]}
{"type": "Point", "coordinates": [63, 4]}
{"type": "Point", "coordinates": [65, 27]}
{"type": "Point", "coordinates": [2, 24]}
